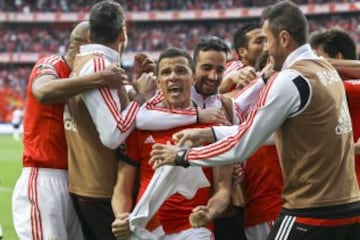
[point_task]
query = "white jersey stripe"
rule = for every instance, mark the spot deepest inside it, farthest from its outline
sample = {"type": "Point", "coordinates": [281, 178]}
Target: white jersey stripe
{"type": "Point", "coordinates": [228, 143]}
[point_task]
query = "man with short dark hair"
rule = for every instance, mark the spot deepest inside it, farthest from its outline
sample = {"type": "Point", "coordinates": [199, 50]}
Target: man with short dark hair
{"type": "Point", "coordinates": [305, 104]}
{"type": "Point", "coordinates": [210, 55]}
{"type": "Point", "coordinates": [174, 78]}
{"type": "Point", "coordinates": [248, 44]}
{"type": "Point", "coordinates": [96, 125]}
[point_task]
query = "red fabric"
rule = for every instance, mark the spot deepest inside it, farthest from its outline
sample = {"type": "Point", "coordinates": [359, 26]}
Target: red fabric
{"type": "Point", "coordinates": [264, 184]}
{"type": "Point", "coordinates": [327, 222]}
{"type": "Point", "coordinates": [44, 137]}
{"type": "Point", "coordinates": [174, 213]}
{"type": "Point", "coordinates": [352, 88]}
{"type": "Point", "coordinates": [9, 100]}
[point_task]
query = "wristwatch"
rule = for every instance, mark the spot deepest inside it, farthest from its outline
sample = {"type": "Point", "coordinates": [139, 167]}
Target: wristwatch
{"type": "Point", "coordinates": [180, 158]}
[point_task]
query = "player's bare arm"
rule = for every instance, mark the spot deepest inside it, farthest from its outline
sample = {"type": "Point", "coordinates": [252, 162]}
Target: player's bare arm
{"type": "Point", "coordinates": [48, 89]}
{"type": "Point", "coordinates": [122, 201]}
{"type": "Point", "coordinates": [218, 203]}
{"type": "Point", "coordinates": [349, 69]}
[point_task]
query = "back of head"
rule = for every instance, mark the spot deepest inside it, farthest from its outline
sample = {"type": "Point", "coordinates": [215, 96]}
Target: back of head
{"type": "Point", "coordinates": [286, 16]}
{"type": "Point", "coordinates": [240, 39]}
{"type": "Point", "coordinates": [106, 20]}
{"type": "Point", "coordinates": [173, 52]}
{"type": "Point", "coordinates": [209, 43]}
{"type": "Point", "coordinates": [78, 37]}
{"type": "Point", "coordinates": [334, 42]}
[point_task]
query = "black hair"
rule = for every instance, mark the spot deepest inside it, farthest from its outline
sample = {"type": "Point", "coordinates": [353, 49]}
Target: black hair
{"type": "Point", "coordinates": [240, 38]}
{"type": "Point", "coordinates": [209, 43]}
{"type": "Point", "coordinates": [286, 16]}
{"type": "Point", "coordinates": [106, 20]}
{"type": "Point", "coordinates": [173, 52]}
{"type": "Point", "coordinates": [334, 41]}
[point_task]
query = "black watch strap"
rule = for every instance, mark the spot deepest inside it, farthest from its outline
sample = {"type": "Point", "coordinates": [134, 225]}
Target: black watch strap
{"type": "Point", "coordinates": [180, 158]}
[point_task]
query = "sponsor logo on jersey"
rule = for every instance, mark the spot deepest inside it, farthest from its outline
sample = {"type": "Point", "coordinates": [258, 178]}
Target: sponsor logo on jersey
{"type": "Point", "coordinates": [149, 139]}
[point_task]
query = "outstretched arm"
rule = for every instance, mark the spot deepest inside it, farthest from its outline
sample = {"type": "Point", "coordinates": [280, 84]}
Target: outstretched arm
{"type": "Point", "coordinates": [48, 88]}
{"type": "Point", "coordinates": [348, 69]}
{"type": "Point", "coordinates": [279, 100]}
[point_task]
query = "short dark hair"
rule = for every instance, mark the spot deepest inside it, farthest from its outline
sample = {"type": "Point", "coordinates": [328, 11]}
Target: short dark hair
{"type": "Point", "coordinates": [334, 41]}
{"type": "Point", "coordinates": [106, 20]}
{"type": "Point", "coordinates": [209, 43]}
{"type": "Point", "coordinates": [173, 52]}
{"type": "Point", "coordinates": [287, 16]}
{"type": "Point", "coordinates": [240, 39]}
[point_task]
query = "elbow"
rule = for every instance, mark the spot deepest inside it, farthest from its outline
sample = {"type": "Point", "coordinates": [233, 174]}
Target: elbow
{"type": "Point", "coordinates": [109, 142]}
{"type": "Point", "coordinates": [42, 97]}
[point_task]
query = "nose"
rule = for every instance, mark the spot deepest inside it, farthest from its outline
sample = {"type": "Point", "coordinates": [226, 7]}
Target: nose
{"type": "Point", "coordinates": [265, 46]}
{"type": "Point", "coordinates": [173, 76]}
{"type": "Point", "coordinates": [214, 75]}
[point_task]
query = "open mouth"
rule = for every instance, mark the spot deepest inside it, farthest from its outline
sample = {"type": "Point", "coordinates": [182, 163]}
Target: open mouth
{"type": "Point", "coordinates": [175, 89]}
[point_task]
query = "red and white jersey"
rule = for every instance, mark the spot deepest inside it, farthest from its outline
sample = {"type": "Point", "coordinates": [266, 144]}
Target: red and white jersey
{"type": "Point", "coordinates": [44, 138]}
{"type": "Point", "coordinates": [263, 186]}
{"type": "Point", "coordinates": [174, 213]}
{"type": "Point", "coordinates": [150, 113]}
{"type": "Point", "coordinates": [230, 67]}
{"type": "Point", "coordinates": [103, 104]}
{"type": "Point", "coordinates": [352, 88]}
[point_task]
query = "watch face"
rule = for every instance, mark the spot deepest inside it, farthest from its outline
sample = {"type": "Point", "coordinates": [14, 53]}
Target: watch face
{"type": "Point", "coordinates": [180, 154]}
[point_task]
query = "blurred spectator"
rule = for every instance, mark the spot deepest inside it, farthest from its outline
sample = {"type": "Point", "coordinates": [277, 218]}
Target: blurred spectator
{"type": "Point", "coordinates": [141, 5]}
{"type": "Point", "coordinates": [154, 36]}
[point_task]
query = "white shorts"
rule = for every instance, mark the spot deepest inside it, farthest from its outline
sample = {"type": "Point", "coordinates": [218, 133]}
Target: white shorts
{"type": "Point", "coordinates": [42, 207]}
{"type": "Point", "coordinates": [259, 232]}
{"type": "Point", "coordinates": [191, 234]}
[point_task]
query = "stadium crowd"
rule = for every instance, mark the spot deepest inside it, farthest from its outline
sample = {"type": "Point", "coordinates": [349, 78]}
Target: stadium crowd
{"type": "Point", "coordinates": [140, 5]}
{"type": "Point", "coordinates": [49, 38]}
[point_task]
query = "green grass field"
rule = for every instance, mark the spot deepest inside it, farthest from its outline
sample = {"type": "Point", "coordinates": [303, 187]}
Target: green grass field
{"type": "Point", "coordinates": [10, 168]}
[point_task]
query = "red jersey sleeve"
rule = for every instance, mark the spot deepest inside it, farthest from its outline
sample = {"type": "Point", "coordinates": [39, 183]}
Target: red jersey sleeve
{"type": "Point", "coordinates": [132, 149]}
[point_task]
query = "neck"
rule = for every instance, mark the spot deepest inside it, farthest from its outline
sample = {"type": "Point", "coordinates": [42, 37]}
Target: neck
{"type": "Point", "coordinates": [69, 60]}
{"type": "Point", "coordinates": [184, 105]}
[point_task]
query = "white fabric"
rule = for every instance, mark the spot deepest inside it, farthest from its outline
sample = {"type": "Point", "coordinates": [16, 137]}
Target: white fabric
{"type": "Point", "coordinates": [148, 119]}
{"type": "Point", "coordinates": [166, 181]}
{"type": "Point", "coordinates": [191, 234]}
{"type": "Point", "coordinates": [57, 213]}
{"type": "Point", "coordinates": [112, 125]}
{"type": "Point", "coordinates": [258, 232]}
